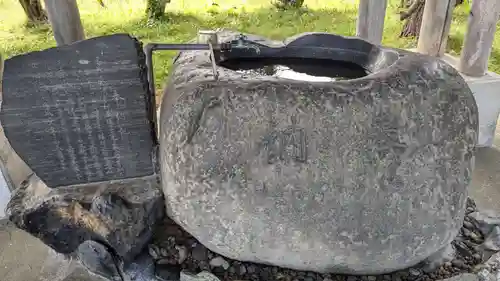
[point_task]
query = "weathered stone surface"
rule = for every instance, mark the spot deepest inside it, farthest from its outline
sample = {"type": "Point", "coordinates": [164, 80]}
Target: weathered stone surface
{"type": "Point", "coordinates": [119, 214]}
{"type": "Point", "coordinates": [81, 113]}
{"type": "Point", "coordinates": [461, 256]}
{"type": "Point", "coordinates": [361, 176]}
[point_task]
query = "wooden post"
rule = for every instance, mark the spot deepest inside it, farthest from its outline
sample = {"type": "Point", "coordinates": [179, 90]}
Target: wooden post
{"type": "Point", "coordinates": [435, 27]}
{"type": "Point", "coordinates": [478, 40]}
{"type": "Point", "coordinates": [1, 76]}
{"type": "Point", "coordinates": [65, 20]}
{"type": "Point", "coordinates": [370, 25]}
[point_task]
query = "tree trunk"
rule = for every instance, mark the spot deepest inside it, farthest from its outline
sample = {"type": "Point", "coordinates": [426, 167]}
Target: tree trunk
{"type": "Point", "coordinates": [413, 17]}
{"type": "Point", "coordinates": [284, 4]}
{"type": "Point", "coordinates": [34, 11]}
{"type": "Point", "coordinates": [156, 9]}
{"type": "Point", "coordinates": [64, 17]}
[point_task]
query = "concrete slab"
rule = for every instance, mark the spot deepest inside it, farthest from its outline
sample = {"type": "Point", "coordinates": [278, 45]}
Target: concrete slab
{"type": "Point", "coordinates": [25, 258]}
{"type": "Point", "coordinates": [485, 186]}
{"type": "Point", "coordinates": [486, 90]}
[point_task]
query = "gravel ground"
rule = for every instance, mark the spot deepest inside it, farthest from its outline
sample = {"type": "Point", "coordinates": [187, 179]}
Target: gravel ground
{"type": "Point", "coordinates": [174, 250]}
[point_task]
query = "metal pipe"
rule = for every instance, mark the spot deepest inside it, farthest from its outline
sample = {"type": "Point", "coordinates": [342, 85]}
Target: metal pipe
{"type": "Point", "coordinates": [178, 47]}
{"type": "Point", "coordinates": [148, 50]}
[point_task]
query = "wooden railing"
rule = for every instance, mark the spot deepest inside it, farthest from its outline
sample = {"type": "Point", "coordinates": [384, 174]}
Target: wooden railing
{"type": "Point", "coordinates": [435, 28]}
{"type": "Point", "coordinates": [67, 27]}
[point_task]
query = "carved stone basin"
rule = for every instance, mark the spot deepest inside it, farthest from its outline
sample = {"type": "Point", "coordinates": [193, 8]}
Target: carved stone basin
{"type": "Point", "coordinates": [365, 175]}
{"type": "Point", "coordinates": [320, 153]}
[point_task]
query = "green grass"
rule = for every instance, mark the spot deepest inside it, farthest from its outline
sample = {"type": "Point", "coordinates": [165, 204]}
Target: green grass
{"type": "Point", "coordinates": [185, 17]}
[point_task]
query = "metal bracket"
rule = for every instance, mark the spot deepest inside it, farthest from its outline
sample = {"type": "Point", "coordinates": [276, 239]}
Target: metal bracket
{"type": "Point", "coordinates": [151, 47]}
{"type": "Point", "coordinates": [207, 41]}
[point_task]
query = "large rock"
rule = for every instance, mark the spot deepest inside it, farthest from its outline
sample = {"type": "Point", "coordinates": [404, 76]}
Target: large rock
{"type": "Point", "coordinates": [119, 214]}
{"type": "Point", "coordinates": [364, 176]}
{"type": "Point", "coordinates": [80, 119]}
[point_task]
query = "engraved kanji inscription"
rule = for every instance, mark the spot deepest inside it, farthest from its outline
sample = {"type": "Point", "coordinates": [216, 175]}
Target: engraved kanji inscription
{"type": "Point", "coordinates": [288, 144]}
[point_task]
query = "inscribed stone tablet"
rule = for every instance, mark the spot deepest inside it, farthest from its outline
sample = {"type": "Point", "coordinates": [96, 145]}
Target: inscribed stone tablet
{"type": "Point", "coordinates": [80, 113]}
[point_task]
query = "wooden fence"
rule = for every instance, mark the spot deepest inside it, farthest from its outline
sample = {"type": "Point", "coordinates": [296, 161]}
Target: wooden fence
{"type": "Point", "coordinates": [67, 27]}
{"type": "Point", "coordinates": [436, 27]}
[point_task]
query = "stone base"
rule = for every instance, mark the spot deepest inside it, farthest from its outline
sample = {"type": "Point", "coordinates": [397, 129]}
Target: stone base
{"type": "Point", "coordinates": [118, 214]}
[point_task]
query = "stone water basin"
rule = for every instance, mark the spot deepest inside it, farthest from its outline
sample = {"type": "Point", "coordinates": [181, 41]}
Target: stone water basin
{"type": "Point", "coordinates": [25, 258]}
{"type": "Point", "coordinates": [172, 243]}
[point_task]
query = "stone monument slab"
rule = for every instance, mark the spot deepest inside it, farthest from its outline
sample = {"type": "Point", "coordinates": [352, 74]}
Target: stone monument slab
{"type": "Point", "coordinates": [80, 113]}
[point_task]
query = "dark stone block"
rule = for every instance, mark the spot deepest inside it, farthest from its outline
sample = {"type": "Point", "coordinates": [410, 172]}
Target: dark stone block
{"type": "Point", "coordinates": [364, 175]}
{"type": "Point", "coordinates": [81, 113]}
{"type": "Point", "coordinates": [119, 214]}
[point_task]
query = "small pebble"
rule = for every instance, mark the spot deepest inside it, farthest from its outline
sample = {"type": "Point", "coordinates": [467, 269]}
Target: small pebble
{"type": "Point", "coordinates": [199, 253]}
{"type": "Point", "coordinates": [414, 272]}
{"type": "Point", "coordinates": [466, 232]}
{"type": "Point", "coordinates": [192, 242]}
{"type": "Point", "coordinates": [458, 263]}
{"type": "Point", "coordinates": [153, 251]}
{"type": "Point", "coordinates": [167, 272]}
{"type": "Point", "coordinates": [480, 267]}
{"type": "Point", "coordinates": [251, 269]}
{"type": "Point", "coordinates": [265, 274]}
{"type": "Point", "coordinates": [182, 253]}
{"type": "Point", "coordinates": [164, 252]}
{"type": "Point", "coordinates": [443, 271]}
{"type": "Point", "coordinates": [163, 261]}
{"type": "Point", "coordinates": [219, 262]}
{"type": "Point", "coordinates": [243, 270]}
{"type": "Point", "coordinates": [468, 225]}
{"type": "Point", "coordinates": [476, 238]}
{"type": "Point", "coordinates": [210, 255]}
